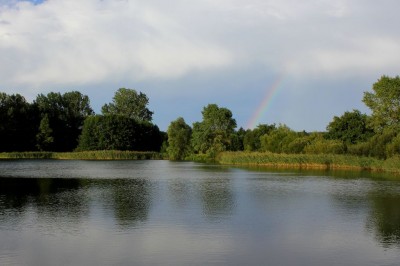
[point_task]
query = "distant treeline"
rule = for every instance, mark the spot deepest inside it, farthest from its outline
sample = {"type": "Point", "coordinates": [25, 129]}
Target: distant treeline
{"type": "Point", "coordinates": [66, 122]}
{"type": "Point", "coordinates": [353, 133]}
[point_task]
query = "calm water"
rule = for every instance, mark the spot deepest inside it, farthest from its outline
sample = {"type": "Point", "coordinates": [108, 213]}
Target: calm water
{"type": "Point", "coordinates": [172, 213]}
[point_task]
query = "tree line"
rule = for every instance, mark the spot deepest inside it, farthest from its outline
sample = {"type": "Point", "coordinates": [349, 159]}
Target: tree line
{"type": "Point", "coordinates": [374, 135]}
{"type": "Point", "coordinates": [66, 122]}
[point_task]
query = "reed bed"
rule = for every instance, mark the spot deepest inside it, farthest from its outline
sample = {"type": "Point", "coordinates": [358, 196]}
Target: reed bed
{"type": "Point", "coordinates": [84, 155]}
{"type": "Point", "coordinates": [310, 161]}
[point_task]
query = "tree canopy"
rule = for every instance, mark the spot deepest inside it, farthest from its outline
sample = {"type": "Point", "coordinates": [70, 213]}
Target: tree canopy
{"type": "Point", "coordinates": [66, 114]}
{"type": "Point", "coordinates": [17, 123]}
{"type": "Point", "coordinates": [116, 132]}
{"type": "Point", "coordinates": [179, 135]}
{"type": "Point", "coordinates": [213, 134]}
{"type": "Point", "coordinates": [351, 127]}
{"type": "Point", "coordinates": [384, 103]}
{"type": "Point", "coordinates": [130, 103]}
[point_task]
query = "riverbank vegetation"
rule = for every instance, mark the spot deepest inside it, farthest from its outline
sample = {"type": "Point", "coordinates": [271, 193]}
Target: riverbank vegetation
{"type": "Point", "coordinates": [64, 126]}
{"type": "Point", "coordinates": [84, 155]}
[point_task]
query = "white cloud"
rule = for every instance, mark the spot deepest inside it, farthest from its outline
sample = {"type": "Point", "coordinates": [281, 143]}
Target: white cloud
{"type": "Point", "coordinates": [91, 41]}
{"type": "Point", "coordinates": [170, 45]}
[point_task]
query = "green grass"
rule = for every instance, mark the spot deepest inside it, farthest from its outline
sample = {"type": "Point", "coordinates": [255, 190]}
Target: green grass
{"type": "Point", "coordinates": [84, 155]}
{"type": "Point", "coordinates": [310, 161]}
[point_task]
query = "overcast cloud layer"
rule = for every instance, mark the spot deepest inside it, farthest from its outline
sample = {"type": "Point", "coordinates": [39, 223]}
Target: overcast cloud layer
{"type": "Point", "coordinates": [186, 54]}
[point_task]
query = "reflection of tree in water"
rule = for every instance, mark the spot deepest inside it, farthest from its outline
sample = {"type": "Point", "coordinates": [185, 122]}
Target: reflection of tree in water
{"type": "Point", "coordinates": [130, 201]}
{"type": "Point", "coordinates": [384, 219]}
{"type": "Point", "coordinates": [217, 197]}
{"type": "Point", "coordinates": [180, 193]}
{"type": "Point", "coordinates": [57, 198]}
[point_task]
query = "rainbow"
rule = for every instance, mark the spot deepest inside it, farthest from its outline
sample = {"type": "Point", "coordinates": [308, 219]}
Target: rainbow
{"type": "Point", "coordinates": [261, 109]}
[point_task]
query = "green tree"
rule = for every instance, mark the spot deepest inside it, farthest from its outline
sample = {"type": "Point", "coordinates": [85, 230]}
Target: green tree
{"type": "Point", "coordinates": [116, 132]}
{"type": "Point", "coordinates": [213, 134]}
{"type": "Point", "coordinates": [351, 127]}
{"type": "Point", "coordinates": [251, 141]}
{"type": "Point", "coordinates": [384, 103]}
{"type": "Point", "coordinates": [128, 102]}
{"type": "Point", "coordinates": [17, 123]}
{"type": "Point", "coordinates": [44, 136]}
{"type": "Point", "coordinates": [66, 113]}
{"type": "Point", "coordinates": [179, 136]}
{"type": "Point", "coordinates": [237, 140]}
{"type": "Point", "coordinates": [278, 139]}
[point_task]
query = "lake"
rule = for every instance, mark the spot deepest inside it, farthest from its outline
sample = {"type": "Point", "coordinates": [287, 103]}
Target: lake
{"type": "Point", "coordinates": [183, 213]}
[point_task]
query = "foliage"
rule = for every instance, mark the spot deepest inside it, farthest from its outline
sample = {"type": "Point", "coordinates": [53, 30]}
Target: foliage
{"type": "Point", "coordinates": [299, 144]}
{"type": "Point", "coordinates": [84, 155]}
{"type": "Point", "coordinates": [130, 103]}
{"type": "Point", "coordinates": [321, 145]}
{"type": "Point", "coordinates": [393, 147]}
{"type": "Point", "coordinates": [278, 139]}
{"type": "Point", "coordinates": [179, 136]}
{"type": "Point", "coordinates": [304, 161]}
{"type": "Point", "coordinates": [116, 132]}
{"type": "Point", "coordinates": [237, 140]}
{"type": "Point", "coordinates": [351, 127]}
{"type": "Point", "coordinates": [17, 123]}
{"type": "Point", "coordinates": [66, 113]}
{"type": "Point", "coordinates": [213, 134]}
{"type": "Point", "coordinates": [44, 136]}
{"type": "Point", "coordinates": [384, 103]}
{"type": "Point", "coordinates": [251, 141]}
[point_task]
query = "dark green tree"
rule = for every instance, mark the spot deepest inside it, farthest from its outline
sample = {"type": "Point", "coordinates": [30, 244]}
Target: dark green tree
{"type": "Point", "coordinates": [17, 123]}
{"type": "Point", "coordinates": [130, 103]}
{"type": "Point", "coordinates": [251, 141]}
{"type": "Point", "coordinates": [44, 136]}
{"type": "Point", "coordinates": [384, 103]}
{"type": "Point", "coordinates": [116, 132]}
{"type": "Point", "coordinates": [66, 113]}
{"type": "Point", "coordinates": [213, 134]}
{"type": "Point", "coordinates": [237, 140]}
{"type": "Point", "coordinates": [179, 137]}
{"type": "Point", "coordinates": [351, 127]}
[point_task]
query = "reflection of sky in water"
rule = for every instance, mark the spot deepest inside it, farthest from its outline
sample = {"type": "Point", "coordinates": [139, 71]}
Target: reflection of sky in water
{"type": "Point", "coordinates": [168, 213]}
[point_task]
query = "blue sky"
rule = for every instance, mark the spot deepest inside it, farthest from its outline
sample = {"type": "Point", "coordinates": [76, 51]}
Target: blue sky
{"type": "Point", "coordinates": [187, 54]}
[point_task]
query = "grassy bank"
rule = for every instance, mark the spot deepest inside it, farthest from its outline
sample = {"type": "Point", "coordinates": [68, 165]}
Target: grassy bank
{"type": "Point", "coordinates": [310, 161]}
{"type": "Point", "coordinates": [84, 155]}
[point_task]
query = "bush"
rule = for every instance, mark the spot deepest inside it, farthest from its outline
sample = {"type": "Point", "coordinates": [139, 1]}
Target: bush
{"type": "Point", "coordinates": [324, 146]}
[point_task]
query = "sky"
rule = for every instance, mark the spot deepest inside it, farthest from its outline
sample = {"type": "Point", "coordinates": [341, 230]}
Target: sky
{"type": "Point", "coordinates": [298, 63]}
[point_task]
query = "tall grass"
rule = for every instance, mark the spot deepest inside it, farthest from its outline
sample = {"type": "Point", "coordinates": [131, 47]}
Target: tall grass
{"type": "Point", "coordinates": [310, 161]}
{"type": "Point", "coordinates": [84, 155]}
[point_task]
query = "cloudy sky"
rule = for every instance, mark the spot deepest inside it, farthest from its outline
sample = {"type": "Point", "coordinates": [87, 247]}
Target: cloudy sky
{"type": "Point", "coordinates": [269, 61]}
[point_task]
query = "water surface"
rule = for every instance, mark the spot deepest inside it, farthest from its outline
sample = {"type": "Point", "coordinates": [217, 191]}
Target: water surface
{"type": "Point", "coordinates": [183, 213]}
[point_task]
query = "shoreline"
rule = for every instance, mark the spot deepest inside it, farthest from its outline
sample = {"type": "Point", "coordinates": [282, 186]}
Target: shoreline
{"type": "Point", "coordinates": [310, 161]}
{"type": "Point", "coordinates": [250, 159]}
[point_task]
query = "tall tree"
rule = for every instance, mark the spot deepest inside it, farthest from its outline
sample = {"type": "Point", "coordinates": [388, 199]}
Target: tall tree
{"type": "Point", "coordinates": [17, 123]}
{"type": "Point", "coordinates": [130, 103]}
{"type": "Point", "coordinates": [384, 103]}
{"type": "Point", "coordinates": [66, 113]}
{"type": "Point", "coordinates": [238, 140]}
{"type": "Point", "coordinates": [351, 127]}
{"type": "Point", "coordinates": [44, 137]}
{"type": "Point", "coordinates": [213, 134]}
{"type": "Point", "coordinates": [179, 136]}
